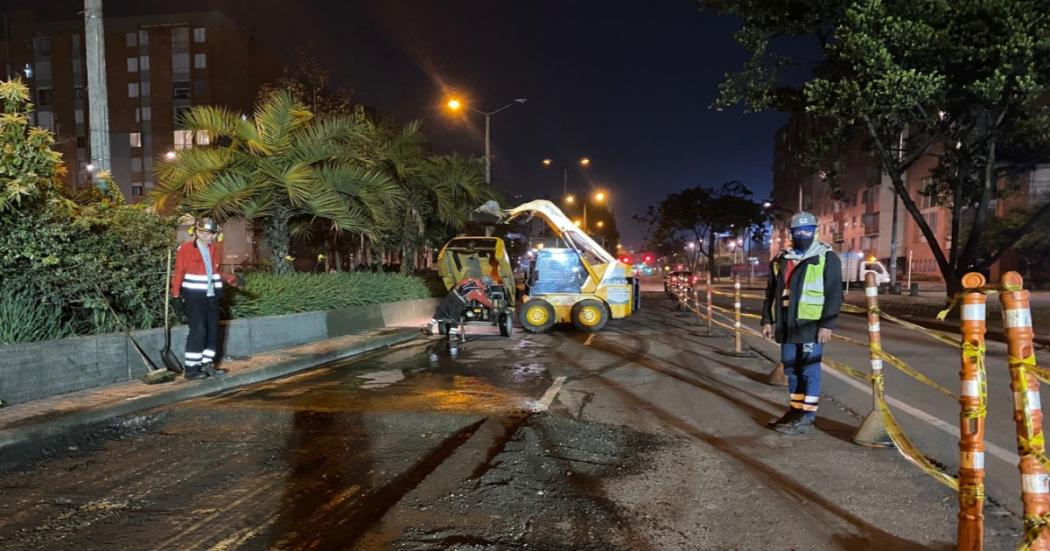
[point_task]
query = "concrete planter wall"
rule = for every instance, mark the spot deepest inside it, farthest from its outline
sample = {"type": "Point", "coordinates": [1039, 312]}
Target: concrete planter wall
{"type": "Point", "coordinates": [41, 369]}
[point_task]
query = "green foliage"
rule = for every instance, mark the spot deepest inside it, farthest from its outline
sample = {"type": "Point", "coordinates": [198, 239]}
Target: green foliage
{"type": "Point", "coordinates": [697, 215]}
{"type": "Point", "coordinates": [963, 80]}
{"type": "Point", "coordinates": [281, 168]}
{"type": "Point", "coordinates": [30, 171]}
{"type": "Point", "coordinates": [27, 316]}
{"type": "Point", "coordinates": [275, 294]}
{"type": "Point", "coordinates": [59, 249]}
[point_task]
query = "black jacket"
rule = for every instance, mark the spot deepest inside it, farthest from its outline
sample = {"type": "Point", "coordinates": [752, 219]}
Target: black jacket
{"type": "Point", "coordinates": [788, 328]}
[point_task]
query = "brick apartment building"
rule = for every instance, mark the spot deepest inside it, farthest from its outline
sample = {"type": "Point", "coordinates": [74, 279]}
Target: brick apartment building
{"type": "Point", "coordinates": [860, 220]}
{"type": "Point", "coordinates": [157, 66]}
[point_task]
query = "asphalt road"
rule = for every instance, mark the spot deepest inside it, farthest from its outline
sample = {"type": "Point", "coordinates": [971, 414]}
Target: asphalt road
{"type": "Point", "coordinates": [643, 436]}
{"type": "Point", "coordinates": [929, 417]}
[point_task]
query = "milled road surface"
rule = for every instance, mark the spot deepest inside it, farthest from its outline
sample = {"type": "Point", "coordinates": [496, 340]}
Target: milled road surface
{"type": "Point", "coordinates": [652, 440]}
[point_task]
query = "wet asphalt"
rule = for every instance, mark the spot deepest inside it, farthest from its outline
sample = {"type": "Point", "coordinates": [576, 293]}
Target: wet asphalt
{"type": "Point", "coordinates": [654, 440]}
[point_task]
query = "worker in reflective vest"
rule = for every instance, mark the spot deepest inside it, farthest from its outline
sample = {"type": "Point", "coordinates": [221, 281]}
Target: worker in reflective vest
{"type": "Point", "coordinates": [803, 299]}
{"type": "Point", "coordinates": [197, 285]}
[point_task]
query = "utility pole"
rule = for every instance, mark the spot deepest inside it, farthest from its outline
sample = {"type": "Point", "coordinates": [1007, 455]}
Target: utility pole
{"type": "Point", "coordinates": [893, 227]}
{"type": "Point", "coordinates": [98, 99]}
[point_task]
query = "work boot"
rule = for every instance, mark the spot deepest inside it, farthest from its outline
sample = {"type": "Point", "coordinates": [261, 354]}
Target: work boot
{"type": "Point", "coordinates": [790, 414]}
{"type": "Point", "coordinates": [211, 370]}
{"type": "Point", "coordinates": [802, 424]}
{"type": "Point", "coordinates": [195, 374]}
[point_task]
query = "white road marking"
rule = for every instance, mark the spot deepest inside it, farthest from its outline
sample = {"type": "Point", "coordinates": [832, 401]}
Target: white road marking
{"type": "Point", "coordinates": [548, 397]}
{"type": "Point", "coordinates": [997, 451]}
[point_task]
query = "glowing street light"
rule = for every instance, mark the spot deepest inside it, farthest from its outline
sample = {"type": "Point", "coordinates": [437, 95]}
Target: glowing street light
{"type": "Point", "coordinates": [600, 224]}
{"type": "Point", "coordinates": [570, 199]}
{"type": "Point", "coordinates": [578, 222]}
{"type": "Point", "coordinates": [170, 155]}
{"type": "Point", "coordinates": [599, 197]}
{"type": "Point", "coordinates": [585, 162]}
{"type": "Point", "coordinates": [547, 162]}
{"type": "Point", "coordinates": [456, 105]}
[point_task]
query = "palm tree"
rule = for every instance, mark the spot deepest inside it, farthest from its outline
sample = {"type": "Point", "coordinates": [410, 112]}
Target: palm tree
{"type": "Point", "coordinates": [438, 191]}
{"type": "Point", "coordinates": [282, 169]}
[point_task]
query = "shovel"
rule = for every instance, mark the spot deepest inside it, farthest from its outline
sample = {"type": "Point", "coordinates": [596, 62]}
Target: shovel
{"type": "Point", "coordinates": [171, 361]}
{"type": "Point", "coordinates": [153, 374]}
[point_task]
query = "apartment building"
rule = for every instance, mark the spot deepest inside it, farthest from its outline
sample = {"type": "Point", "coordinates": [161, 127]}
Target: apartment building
{"type": "Point", "coordinates": [858, 219]}
{"type": "Point", "coordinates": [157, 66]}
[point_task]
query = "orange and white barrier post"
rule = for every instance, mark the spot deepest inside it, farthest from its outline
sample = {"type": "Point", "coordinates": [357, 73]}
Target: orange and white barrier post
{"type": "Point", "coordinates": [872, 432]}
{"type": "Point", "coordinates": [710, 307]}
{"type": "Point", "coordinates": [1028, 415]}
{"type": "Point", "coordinates": [736, 310]}
{"type": "Point", "coordinates": [696, 301]}
{"type": "Point", "coordinates": [970, 535]}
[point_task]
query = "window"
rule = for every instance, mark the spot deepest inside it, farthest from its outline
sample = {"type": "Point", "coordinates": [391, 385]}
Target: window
{"type": "Point", "coordinates": [147, 113]}
{"type": "Point", "coordinates": [180, 113]}
{"type": "Point", "coordinates": [181, 89]}
{"type": "Point", "coordinates": [180, 62]}
{"type": "Point", "coordinates": [78, 93]}
{"type": "Point", "coordinates": [199, 35]}
{"type": "Point", "coordinates": [42, 46]}
{"type": "Point", "coordinates": [133, 89]}
{"type": "Point", "coordinates": [136, 164]}
{"type": "Point", "coordinates": [45, 119]}
{"type": "Point", "coordinates": [81, 142]}
{"type": "Point", "coordinates": [203, 138]}
{"type": "Point", "coordinates": [44, 96]}
{"type": "Point", "coordinates": [183, 139]}
{"type": "Point", "coordinates": [144, 62]}
{"type": "Point", "coordinates": [135, 140]}
{"type": "Point", "coordinates": [138, 114]}
{"type": "Point", "coordinates": [200, 61]}
{"type": "Point", "coordinates": [131, 40]}
{"type": "Point", "coordinates": [43, 70]}
{"type": "Point", "coordinates": [133, 64]}
{"type": "Point", "coordinates": [78, 116]}
{"type": "Point", "coordinates": [145, 88]}
{"type": "Point", "coordinates": [180, 35]}
{"type": "Point", "coordinates": [137, 189]}
{"type": "Point", "coordinates": [144, 38]}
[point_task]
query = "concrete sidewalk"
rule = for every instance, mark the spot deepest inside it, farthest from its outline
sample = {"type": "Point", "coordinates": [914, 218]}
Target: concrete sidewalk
{"type": "Point", "coordinates": [52, 417]}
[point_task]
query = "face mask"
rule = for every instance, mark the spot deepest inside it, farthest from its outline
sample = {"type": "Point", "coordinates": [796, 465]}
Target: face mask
{"type": "Point", "coordinates": [802, 238]}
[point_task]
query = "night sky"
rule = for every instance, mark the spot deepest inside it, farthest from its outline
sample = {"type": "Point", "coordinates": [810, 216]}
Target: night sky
{"type": "Point", "coordinates": [626, 83]}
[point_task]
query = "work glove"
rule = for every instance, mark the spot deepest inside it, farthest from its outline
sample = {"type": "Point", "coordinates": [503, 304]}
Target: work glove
{"type": "Point", "coordinates": [178, 304]}
{"type": "Point", "coordinates": [767, 331]}
{"type": "Point", "coordinates": [823, 335]}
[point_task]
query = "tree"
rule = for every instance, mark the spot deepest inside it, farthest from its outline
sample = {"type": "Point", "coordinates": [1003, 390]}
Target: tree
{"type": "Point", "coordinates": [438, 192]}
{"type": "Point", "coordinates": [699, 215]}
{"type": "Point", "coordinates": [61, 252]}
{"type": "Point", "coordinates": [281, 168]}
{"type": "Point", "coordinates": [962, 80]}
{"type": "Point", "coordinates": [30, 171]}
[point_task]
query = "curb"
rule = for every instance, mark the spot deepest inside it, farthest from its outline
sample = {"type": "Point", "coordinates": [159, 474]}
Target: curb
{"type": "Point", "coordinates": [49, 427]}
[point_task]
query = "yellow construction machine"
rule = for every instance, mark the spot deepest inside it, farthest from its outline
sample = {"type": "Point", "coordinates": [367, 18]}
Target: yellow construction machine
{"type": "Point", "coordinates": [576, 281]}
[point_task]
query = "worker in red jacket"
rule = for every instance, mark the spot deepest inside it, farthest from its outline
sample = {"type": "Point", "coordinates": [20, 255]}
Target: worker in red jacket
{"type": "Point", "coordinates": [198, 282]}
{"type": "Point", "coordinates": [451, 308]}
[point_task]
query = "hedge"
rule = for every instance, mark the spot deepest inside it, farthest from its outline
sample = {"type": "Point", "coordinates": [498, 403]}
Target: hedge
{"type": "Point", "coordinates": [266, 294]}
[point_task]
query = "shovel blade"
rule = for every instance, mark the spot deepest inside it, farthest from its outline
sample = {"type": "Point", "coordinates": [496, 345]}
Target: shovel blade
{"type": "Point", "coordinates": [171, 362]}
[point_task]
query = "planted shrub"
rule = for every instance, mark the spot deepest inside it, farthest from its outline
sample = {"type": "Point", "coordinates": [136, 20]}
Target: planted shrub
{"type": "Point", "coordinates": [274, 294]}
{"type": "Point", "coordinates": [25, 316]}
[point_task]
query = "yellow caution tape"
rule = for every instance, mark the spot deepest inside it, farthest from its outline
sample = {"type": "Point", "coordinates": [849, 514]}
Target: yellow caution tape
{"type": "Point", "coordinates": [976, 354]}
{"type": "Point", "coordinates": [971, 494]}
{"type": "Point", "coordinates": [901, 441]}
{"type": "Point", "coordinates": [847, 370]}
{"type": "Point", "coordinates": [1034, 526]}
{"type": "Point", "coordinates": [900, 365]}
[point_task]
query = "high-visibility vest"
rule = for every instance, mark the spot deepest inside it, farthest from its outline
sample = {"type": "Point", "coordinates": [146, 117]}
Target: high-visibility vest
{"type": "Point", "coordinates": [811, 302]}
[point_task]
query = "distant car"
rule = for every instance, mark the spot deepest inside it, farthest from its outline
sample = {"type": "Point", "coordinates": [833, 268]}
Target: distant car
{"type": "Point", "coordinates": [680, 280]}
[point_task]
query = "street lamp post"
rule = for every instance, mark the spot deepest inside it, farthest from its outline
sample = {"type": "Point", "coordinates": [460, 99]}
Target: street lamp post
{"type": "Point", "coordinates": [584, 162]}
{"type": "Point", "coordinates": [455, 105]}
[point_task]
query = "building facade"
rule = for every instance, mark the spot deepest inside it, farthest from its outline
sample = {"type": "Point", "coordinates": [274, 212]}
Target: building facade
{"type": "Point", "coordinates": [157, 67]}
{"type": "Point", "coordinates": [859, 218]}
